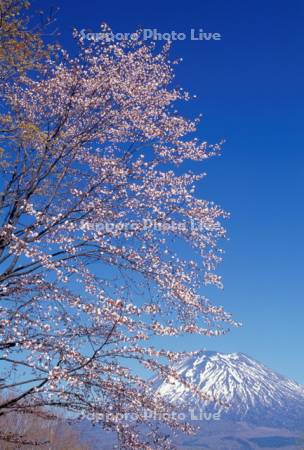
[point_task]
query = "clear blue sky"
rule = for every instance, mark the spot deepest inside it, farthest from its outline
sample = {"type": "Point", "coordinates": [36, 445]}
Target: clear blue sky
{"type": "Point", "coordinates": [250, 90]}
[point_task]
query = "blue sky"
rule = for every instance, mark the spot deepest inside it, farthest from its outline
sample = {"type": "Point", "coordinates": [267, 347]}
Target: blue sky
{"type": "Point", "coordinates": [249, 87]}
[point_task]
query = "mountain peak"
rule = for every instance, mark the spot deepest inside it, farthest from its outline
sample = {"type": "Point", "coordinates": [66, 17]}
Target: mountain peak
{"type": "Point", "coordinates": [254, 393]}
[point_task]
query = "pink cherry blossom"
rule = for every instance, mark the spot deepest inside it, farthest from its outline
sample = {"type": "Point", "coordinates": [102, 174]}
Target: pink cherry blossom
{"type": "Point", "coordinates": [95, 140]}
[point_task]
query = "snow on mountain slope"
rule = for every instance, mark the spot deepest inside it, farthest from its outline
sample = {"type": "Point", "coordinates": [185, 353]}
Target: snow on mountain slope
{"type": "Point", "coordinates": [254, 393]}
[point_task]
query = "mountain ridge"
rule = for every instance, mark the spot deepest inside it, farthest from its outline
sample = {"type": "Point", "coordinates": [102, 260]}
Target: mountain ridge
{"type": "Point", "coordinates": [254, 393]}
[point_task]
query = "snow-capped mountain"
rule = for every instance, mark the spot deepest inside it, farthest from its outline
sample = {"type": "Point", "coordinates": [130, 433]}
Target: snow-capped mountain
{"type": "Point", "coordinates": [266, 410]}
{"type": "Point", "coordinates": [254, 393]}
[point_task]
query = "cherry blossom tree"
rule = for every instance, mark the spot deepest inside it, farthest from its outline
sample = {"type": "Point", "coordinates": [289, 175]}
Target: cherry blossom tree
{"type": "Point", "coordinates": [104, 243]}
